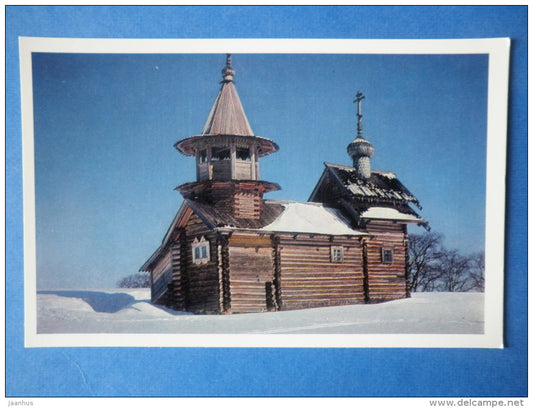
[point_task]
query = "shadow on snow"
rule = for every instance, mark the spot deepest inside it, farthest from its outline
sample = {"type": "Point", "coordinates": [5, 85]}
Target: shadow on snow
{"type": "Point", "coordinates": [99, 301]}
{"type": "Point", "coordinates": [103, 302]}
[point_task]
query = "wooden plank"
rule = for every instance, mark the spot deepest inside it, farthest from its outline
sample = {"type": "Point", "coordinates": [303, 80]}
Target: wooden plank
{"type": "Point", "coordinates": [249, 241]}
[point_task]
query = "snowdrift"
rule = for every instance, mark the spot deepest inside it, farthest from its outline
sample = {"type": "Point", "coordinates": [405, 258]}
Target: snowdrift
{"type": "Point", "coordinates": [130, 311]}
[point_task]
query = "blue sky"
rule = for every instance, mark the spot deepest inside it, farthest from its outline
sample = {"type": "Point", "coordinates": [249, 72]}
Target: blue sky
{"type": "Point", "coordinates": [105, 126]}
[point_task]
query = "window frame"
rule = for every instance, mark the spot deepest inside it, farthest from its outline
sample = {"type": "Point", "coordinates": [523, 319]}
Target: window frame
{"type": "Point", "coordinates": [385, 253]}
{"type": "Point", "coordinates": [334, 250]}
{"type": "Point", "coordinates": [200, 251]}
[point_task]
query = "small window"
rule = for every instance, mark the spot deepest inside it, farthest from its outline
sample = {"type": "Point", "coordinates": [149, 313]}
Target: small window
{"type": "Point", "coordinates": [386, 256]}
{"type": "Point", "coordinates": [200, 251]}
{"type": "Point", "coordinates": [337, 254]}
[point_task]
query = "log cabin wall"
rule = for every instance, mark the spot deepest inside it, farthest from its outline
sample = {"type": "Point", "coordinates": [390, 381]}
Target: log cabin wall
{"type": "Point", "coordinates": [386, 281]}
{"type": "Point", "coordinates": [223, 273]}
{"type": "Point", "coordinates": [251, 273]}
{"type": "Point", "coordinates": [161, 278]}
{"type": "Point", "coordinates": [309, 278]}
{"type": "Point", "coordinates": [202, 290]}
{"type": "Point", "coordinates": [242, 199]}
{"type": "Point", "coordinates": [178, 285]}
{"type": "Point", "coordinates": [245, 200]}
{"type": "Point", "coordinates": [248, 203]}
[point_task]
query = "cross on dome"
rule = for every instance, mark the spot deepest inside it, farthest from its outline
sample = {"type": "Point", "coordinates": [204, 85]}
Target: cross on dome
{"type": "Point", "coordinates": [358, 100]}
{"type": "Point", "coordinates": [360, 150]}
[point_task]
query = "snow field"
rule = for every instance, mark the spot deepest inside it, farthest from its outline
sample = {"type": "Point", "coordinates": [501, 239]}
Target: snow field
{"type": "Point", "coordinates": [130, 311]}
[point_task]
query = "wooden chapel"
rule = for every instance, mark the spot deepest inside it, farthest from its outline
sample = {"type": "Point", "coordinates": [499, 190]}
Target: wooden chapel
{"type": "Point", "coordinates": [229, 250]}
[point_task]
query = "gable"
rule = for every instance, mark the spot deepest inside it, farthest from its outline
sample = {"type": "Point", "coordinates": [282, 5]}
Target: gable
{"type": "Point", "coordinates": [180, 220]}
{"type": "Point", "coordinates": [382, 196]}
{"type": "Point", "coordinates": [381, 186]}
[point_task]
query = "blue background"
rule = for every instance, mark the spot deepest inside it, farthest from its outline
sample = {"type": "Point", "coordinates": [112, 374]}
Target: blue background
{"type": "Point", "coordinates": [272, 372]}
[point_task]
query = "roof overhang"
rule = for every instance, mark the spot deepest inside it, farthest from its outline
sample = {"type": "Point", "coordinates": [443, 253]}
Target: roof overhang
{"type": "Point", "coordinates": [192, 188]}
{"type": "Point", "coordinates": [179, 221]}
{"type": "Point", "coordinates": [191, 145]}
{"type": "Point", "coordinates": [391, 214]}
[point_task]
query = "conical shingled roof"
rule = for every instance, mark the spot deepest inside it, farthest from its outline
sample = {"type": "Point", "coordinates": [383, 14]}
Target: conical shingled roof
{"type": "Point", "coordinates": [227, 115]}
{"type": "Point", "coordinates": [226, 120]}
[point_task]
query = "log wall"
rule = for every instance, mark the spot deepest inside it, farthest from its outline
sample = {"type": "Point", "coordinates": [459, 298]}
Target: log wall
{"type": "Point", "coordinates": [179, 282]}
{"type": "Point", "coordinates": [386, 281]}
{"type": "Point", "coordinates": [161, 277]}
{"type": "Point", "coordinates": [251, 274]}
{"type": "Point", "coordinates": [202, 294]}
{"type": "Point", "coordinates": [308, 277]}
{"type": "Point", "coordinates": [243, 199]}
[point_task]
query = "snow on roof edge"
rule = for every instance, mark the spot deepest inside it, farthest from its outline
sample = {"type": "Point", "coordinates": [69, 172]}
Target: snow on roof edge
{"type": "Point", "coordinates": [386, 213]}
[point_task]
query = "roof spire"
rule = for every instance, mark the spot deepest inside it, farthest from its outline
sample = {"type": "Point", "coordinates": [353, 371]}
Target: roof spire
{"type": "Point", "coordinates": [228, 72]}
{"type": "Point", "coordinates": [358, 100]}
{"type": "Point", "coordinates": [227, 115]}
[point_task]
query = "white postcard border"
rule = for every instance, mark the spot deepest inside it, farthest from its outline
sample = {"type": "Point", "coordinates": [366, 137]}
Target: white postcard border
{"type": "Point", "coordinates": [498, 50]}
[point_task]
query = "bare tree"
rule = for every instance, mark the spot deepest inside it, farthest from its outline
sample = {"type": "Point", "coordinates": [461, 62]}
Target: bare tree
{"type": "Point", "coordinates": [477, 272]}
{"type": "Point", "coordinates": [454, 272]}
{"type": "Point", "coordinates": [138, 280]}
{"type": "Point", "coordinates": [432, 267]}
{"type": "Point", "coordinates": [423, 265]}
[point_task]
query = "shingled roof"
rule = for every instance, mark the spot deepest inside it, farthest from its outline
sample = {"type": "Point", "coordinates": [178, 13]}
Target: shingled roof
{"type": "Point", "coordinates": [227, 115]}
{"type": "Point", "coordinates": [380, 197]}
{"type": "Point", "coordinates": [381, 186]}
{"type": "Point", "coordinates": [217, 217]}
{"type": "Point", "coordinates": [227, 123]}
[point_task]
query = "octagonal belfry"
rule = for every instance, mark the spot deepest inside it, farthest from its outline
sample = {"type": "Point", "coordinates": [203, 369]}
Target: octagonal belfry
{"type": "Point", "coordinates": [227, 155]}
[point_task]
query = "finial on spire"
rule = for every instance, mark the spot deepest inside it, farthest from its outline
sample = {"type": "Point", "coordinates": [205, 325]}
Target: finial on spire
{"type": "Point", "coordinates": [228, 72]}
{"type": "Point", "coordinates": [358, 100]}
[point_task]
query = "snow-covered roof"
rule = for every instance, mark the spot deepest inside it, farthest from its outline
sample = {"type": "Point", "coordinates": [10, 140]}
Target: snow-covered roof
{"type": "Point", "coordinates": [311, 218]}
{"type": "Point", "coordinates": [385, 213]}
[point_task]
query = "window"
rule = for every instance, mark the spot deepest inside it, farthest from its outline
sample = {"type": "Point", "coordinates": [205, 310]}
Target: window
{"type": "Point", "coordinates": [337, 254]}
{"type": "Point", "coordinates": [243, 153]}
{"type": "Point", "coordinates": [200, 250]}
{"type": "Point", "coordinates": [386, 256]}
{"type": "Point", "coordinates": [220, 153]}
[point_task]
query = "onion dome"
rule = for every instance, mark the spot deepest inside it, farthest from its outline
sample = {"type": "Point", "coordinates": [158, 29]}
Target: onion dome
{"type": "Point", "coordinates": [360, 149]}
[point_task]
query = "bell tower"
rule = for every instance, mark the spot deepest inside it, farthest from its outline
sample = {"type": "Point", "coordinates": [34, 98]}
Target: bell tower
{"type": "Point", "coordinates": [227, 156]}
